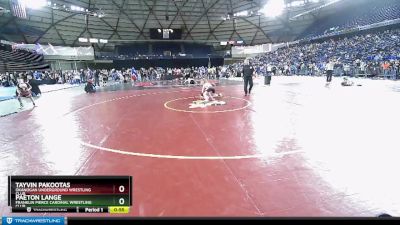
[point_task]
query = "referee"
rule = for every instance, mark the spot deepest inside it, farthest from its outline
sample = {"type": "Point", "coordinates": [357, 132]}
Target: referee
{"type": "Point", "coordinates": [247, 72]}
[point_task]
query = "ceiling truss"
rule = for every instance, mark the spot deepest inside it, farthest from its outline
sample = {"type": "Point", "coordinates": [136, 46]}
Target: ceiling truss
{"type": "Point", "coordinates": [200, 20]}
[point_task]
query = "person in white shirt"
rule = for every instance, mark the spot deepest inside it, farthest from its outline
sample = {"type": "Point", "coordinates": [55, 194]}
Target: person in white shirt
{"type": "Point", "coordinates": [346, 69]}
{"type": "Point", "coordinates": [329, 70]}
{"type": "Point", "coordinates": [267, 77]}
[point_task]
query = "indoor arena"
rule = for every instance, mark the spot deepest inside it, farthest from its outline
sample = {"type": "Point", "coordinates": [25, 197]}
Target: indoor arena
{"type": "Point", "coordinates": [199, 108]}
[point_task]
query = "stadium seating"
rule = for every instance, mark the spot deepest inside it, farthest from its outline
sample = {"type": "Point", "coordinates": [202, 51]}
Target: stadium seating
{"type": "Point", "coordinates": [198, 50]}
{"type": "Point", "coordinates": [133, 49]}
{"type": "Point", "coordinates": [372, 49]}
{"type": "Point", "coordinates": [363, 14]}
{"type": "Point", "coordinates": [20, 61]}
{"type": "Point", "coordinates": [141, 51]}
{"type": "Point", "coordinates": [160, 48]}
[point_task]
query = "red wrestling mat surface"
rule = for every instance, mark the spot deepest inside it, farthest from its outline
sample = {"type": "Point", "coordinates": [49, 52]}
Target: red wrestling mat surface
{"type": "Point", "coordinates": [144, 84]}
{"type": "Point", "coordinates": [270, 154]}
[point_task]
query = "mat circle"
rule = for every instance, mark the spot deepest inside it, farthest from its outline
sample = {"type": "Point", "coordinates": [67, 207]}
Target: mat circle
{"type": "Point", "coordinates": [167, 105]}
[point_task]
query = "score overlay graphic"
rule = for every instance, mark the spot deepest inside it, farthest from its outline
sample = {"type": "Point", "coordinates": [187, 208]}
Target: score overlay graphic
{"type": "Point", "coordinates": [70, 194]}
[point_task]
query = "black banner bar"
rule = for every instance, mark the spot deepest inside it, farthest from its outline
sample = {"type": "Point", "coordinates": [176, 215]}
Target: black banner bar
{"type": "Point", "coordinates": [45, 210]}
{"type": "Point", "coordinates": [239, 220]}
{"type": "Point", "coordinates": [9, 190]}
{"type": "Point", "coordinates": [130, 190]}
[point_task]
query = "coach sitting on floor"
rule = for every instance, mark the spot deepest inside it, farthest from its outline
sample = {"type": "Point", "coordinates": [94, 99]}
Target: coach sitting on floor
{"type": "Point", "coordinates": [90, 87]}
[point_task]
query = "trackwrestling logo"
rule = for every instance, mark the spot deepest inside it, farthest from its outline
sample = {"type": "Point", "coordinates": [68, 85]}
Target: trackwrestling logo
{"type": "Point", "coordinates": [33, 220]}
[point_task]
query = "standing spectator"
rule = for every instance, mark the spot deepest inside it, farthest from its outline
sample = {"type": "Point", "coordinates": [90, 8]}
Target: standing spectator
{"type": "Point", "coordinates": [329, 71]}
{"type": "Point", "coordinates": [346, 69]}
{"type": "Point", "coordinates": [386, 68]}
{"type": "Point", "coordinates": [267, 75]}
{"type": "Point", "coordinates": [97, 78]}
{"type": "Point", "coordinates": [82, 75]}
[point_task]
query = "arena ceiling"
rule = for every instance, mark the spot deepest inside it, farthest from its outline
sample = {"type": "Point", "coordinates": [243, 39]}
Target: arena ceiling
{"type": "Point", "coordinates": [126, 21]}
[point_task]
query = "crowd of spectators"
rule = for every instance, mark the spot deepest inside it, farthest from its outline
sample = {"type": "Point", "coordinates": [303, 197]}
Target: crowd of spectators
{"type": "Point", "coordinates": [372, 54]}
{"type": "Point", "coordinates": [139, 56]}
{"type": "Point", "coordinates": [101, 77]}
{"type": "Point", "coordinates": [361, 13]}
{"type": "Point", "coordinates": [149, 56]}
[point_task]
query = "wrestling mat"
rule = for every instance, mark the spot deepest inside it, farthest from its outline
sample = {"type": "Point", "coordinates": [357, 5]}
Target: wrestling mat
{"type": "Point", "coordinates": [203, 104]}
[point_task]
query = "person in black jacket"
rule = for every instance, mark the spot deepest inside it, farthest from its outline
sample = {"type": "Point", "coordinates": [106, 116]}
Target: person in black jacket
{"type": "Point", "coordinates": [97, 78]}
{"type": "Point", "coordinates": [35, 87]}
{"type": "Point", "coordinates": [247, 72]}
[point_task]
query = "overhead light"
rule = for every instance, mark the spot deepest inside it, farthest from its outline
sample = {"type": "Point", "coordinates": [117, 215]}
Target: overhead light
{"type": "Point", "coordinates": [328, 3]}
{"type": "Point", "coordinates": [83, 40]}
{"type": "Point", "coordinates": [273, 8]}
{"type": "Point", "coordinates": [37, 4]}
{"type": "Point", "coordinates": [223, 43]}
{"type": "Point", "coordinates": [93, 40]}
{"type": "Point", "coordinates": [103, 41]}
{"type": "Point", "coordinates": [241, 14]}
{"type": "Point", "coordinates": [297, 3]}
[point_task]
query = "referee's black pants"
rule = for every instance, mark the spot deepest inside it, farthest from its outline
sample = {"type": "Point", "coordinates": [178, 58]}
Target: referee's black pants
{"type": "Point", "coordinates": [329, 75]}
{"type": "Point", "coordinates": [248, 81]}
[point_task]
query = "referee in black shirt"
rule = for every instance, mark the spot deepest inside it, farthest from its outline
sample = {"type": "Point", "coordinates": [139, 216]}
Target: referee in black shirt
{"type": "Point", "coordinates": [247, 72]}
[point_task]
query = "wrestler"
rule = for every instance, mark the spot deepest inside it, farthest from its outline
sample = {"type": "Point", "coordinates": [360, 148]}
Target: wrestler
{"type": "Point", "coordinates": [24, 90]}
